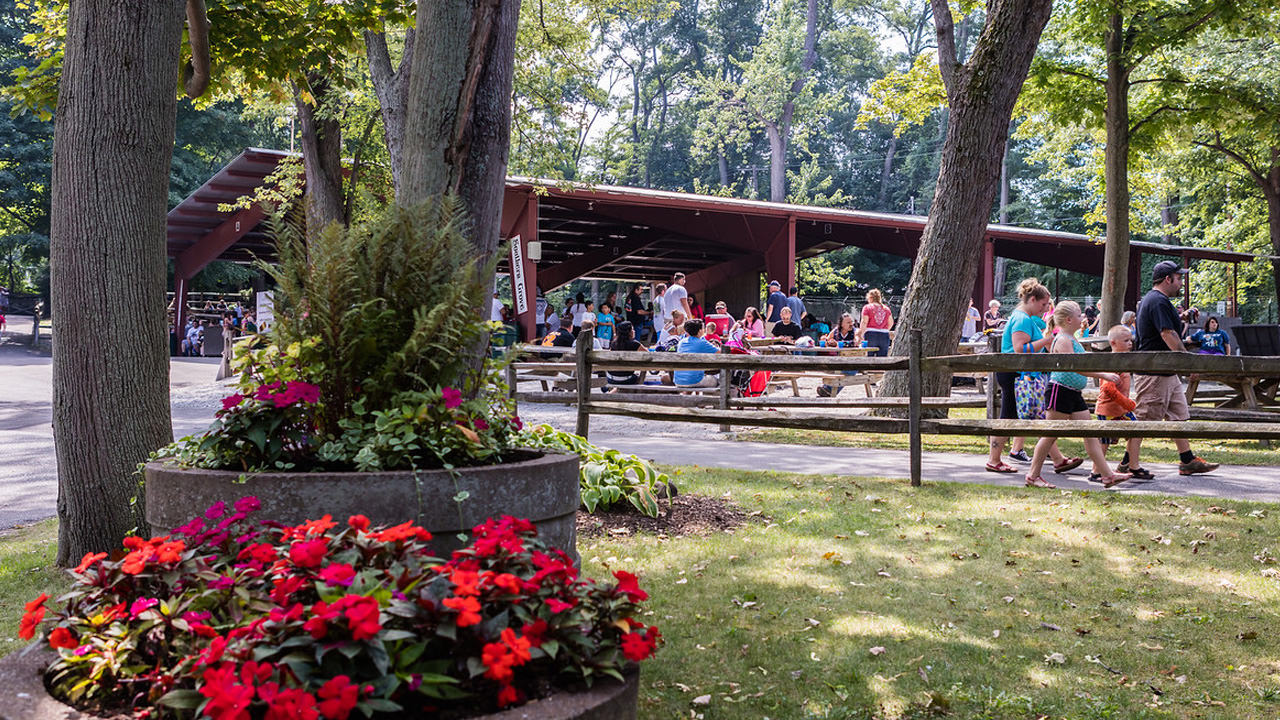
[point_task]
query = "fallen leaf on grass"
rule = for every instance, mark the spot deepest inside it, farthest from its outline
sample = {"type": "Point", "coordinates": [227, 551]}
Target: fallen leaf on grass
{"type": "Point", "coordinates": [1152, 648]}
{"type": "Point", "coordinates": [1247, 635]}
{"type": "Point", "coordinates": [1050, 626]}
{"type": "Point", "coordinates": [877, 650]}
{"type": "Point", "coordinates": [1057, 657]}
{"type": "Point", "coordinates": [702, 700]}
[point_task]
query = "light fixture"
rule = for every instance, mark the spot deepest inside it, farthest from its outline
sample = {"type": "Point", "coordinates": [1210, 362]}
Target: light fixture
{"type": "Point", "coordinates": [591, 206]}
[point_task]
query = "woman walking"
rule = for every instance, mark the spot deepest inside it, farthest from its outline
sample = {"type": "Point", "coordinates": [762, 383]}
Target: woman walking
{"type": "Point", "coordinates": [877, 321]}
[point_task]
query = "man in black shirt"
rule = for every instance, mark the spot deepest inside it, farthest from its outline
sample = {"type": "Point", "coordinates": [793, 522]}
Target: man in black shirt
{"type": "Point", "coordinates": [785, 328]}
{"type": "Point", "coordinates": [1160, 397]}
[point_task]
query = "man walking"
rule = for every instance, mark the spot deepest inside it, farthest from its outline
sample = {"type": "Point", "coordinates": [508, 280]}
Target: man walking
{"type": "Point", "coordinates": [1160, 397]}
{"type": "Point", "coordinates": [773, 306]}
{"type": "Point", "coordinates": [677, 297]}
{"type": "Point", "coordinates": [798, 310]}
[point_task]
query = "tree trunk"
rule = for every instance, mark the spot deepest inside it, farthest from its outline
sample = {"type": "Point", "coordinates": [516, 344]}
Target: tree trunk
{"type": "Point", "coordinates": [980, 95]}
{"type": "Point", "coordinates": [722, 163]}
{"type": "Point", "coordinates": [882, 203]}
{"type": "Point", "coordinates": [391, 86]}
{"type": "Point", "coordinates": [458, 119]}
{"type": "Point", "coordinates": [1115, 270]}
{"type": "Point", "coordinates": [321, 141]}
{"type": "Point", "coordinates": [117, 104]}
{"type": "Point", "coordinates": [1169, 218]}
{"type": "Point", "coordinates": [777, 163]}
{"type": "Point", "coordinates": [1273, 224]}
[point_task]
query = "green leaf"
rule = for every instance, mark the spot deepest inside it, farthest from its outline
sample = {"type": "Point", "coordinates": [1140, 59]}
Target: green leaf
{"type": "Point", "coordinates": [181, 699]}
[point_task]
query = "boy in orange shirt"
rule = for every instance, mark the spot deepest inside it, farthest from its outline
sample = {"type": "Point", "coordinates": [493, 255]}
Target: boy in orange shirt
{"type": "Point", "coordinates": [1114, 402]}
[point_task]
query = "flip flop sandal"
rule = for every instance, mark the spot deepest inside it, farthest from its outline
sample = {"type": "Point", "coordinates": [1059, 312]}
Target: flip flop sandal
{"type": "Point", "coordinates": [1069, 464]}
{"type": "Point", "coordinates": [1040, 483]}
{"type": "Point", "coordinates": [1109, 481]}
{"type": "Point", "coordinates": [1000, 467]}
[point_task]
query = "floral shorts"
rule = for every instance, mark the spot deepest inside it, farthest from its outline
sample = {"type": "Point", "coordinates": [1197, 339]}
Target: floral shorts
{"type": "Point", "coordinates": [1029, 390]}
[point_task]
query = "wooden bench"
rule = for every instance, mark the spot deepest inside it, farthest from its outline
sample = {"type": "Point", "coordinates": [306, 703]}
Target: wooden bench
{"type": "Point", "coordinates": [840, 380]}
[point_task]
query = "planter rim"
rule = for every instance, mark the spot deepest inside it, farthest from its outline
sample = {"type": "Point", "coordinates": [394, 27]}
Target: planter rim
{"type": "Point", "coordinates": [544, 458]}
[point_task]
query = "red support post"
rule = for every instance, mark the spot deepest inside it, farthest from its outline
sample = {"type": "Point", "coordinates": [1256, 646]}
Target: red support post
{"type": "Point", "coordinates": [780, 257]}
{"type": "Point", "coordinates": [524, 272]}
{"type": "Point", "coordinates": [984, 283]}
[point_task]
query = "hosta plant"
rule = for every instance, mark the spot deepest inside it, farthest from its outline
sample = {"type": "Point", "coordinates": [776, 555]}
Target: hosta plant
{"type": "Point", "coordinates": [230, 619]}
{"type": "Point", "coordinates": [607, 477]}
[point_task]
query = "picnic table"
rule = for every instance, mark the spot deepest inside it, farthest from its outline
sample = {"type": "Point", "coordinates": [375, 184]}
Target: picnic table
{"type": "Point", "coordinates": [827, 378]}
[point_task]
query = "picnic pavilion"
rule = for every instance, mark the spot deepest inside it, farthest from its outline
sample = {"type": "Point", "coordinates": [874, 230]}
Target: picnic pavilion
{"type": "Point", "coordinates": [563, 231]}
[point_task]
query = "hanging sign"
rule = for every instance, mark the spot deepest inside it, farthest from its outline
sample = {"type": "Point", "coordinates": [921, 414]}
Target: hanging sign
{"type": "Point", "coordinates": [517, 277]}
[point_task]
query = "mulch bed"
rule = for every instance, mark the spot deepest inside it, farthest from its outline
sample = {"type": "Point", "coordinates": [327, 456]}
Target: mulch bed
{"type": "Point", "coordinates": [684, 515]}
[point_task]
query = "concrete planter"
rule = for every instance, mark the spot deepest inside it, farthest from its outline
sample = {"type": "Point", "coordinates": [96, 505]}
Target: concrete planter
{"type": "Point", "coordinates": [24, 697]}
{"type": "Point", "coordinates": [540, 487]}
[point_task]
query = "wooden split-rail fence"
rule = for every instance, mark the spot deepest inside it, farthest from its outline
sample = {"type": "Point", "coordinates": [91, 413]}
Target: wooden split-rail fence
{"type": "Point", "coordinates": [576, 380]}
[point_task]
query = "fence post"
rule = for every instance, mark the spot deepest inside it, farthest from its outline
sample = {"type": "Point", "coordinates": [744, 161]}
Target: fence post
{"type": "Point", "coordinates": [582, 346]}
{"type": "Point", "coordinates": [511, 376]}
{"type": "Point", "coordinates": [914, 390]}
{"type": "Point", "coordinates": [725, 374]}
{"type": "Point", "coordinates": [993, 345]}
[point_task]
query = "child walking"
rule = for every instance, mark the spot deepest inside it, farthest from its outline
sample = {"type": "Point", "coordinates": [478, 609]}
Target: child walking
{"type": "Point", "coordinates": [1114, 402]}
{"type": "Point", "coordinates": [1064, 400]}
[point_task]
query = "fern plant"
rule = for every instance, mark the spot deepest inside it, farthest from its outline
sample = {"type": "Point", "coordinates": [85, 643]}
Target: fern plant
{"type": "Point", "coordinates": [395, 303]}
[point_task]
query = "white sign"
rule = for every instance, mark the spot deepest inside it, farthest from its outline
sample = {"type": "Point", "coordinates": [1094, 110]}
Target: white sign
{"type": "Point", "coordinates": [265, 311]}
{"type": "Point", "coordinates": [1222, 307]}
{"type": "Point", "coordinates": [517, 277]}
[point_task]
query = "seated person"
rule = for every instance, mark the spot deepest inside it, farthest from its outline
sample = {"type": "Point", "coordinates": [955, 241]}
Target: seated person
{"type": "Point", "coordinates": [1212, 340]}
{"type": "Point", "coordinates": [671, 334]}
{"type": "Point", "coordinates": [693, 342]}
{"type": "Point", "coordinates": [560, 337]}
{"type": "Point", "coordinates": [712, 334]}
{"type": "Point", "coordinates": [589, 326]}
{"type": "Point", "coordinates": [845, 334]}
{"type": "Point", "coordinates": [785, 328]}
{"type": "Point", "coordinates": [626, 342]}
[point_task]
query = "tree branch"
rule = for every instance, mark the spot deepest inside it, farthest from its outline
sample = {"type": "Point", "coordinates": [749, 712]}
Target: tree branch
{"type": "Point", "coordinates": [1082, 75]}
{"type": "Point", "coordinates": [1133, 129]}
{"type": "Point", "coordinates": [944, 25]}
{"type": "Point", "coordinates": [1244, 162]}
{"type": "Point", "coordinates": [198, 38]}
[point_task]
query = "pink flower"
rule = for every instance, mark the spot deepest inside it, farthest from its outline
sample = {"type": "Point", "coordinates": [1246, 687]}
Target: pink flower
{"type": "Point", "coordinates": [304, 392]}
{"type": "Point", "coordinates": [480, 424]}
{"type": "Point", "coordinates": [338, 574]}
{"type": "Point", "coordinates": [216, 510]}
{"type": "Point", "coordinates": [515, 422]}
{"type": "Point", "coordinates": [140, 606]}
{"type": "Point", "coordinates": [247, 504]}
{"type": "Point", "coordinates": [232, 401]}
{"type": "Point", "coordinates": [452, 398]}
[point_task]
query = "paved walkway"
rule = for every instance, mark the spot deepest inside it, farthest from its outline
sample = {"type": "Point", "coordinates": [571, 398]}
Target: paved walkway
{"type": "Point", "coordinates": [1234, 481]}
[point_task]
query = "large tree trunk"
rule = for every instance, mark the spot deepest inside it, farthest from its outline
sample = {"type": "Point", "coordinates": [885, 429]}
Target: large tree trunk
{"type": "Point", "coordinates": [321, 140]}
{"type": "Point", "coordinates": [113, 141]}
{"type": "Point", "coordinates": [458, 119]}
{"type": "Point", "coordinates": [722, 163]}
{"type": "Point", "coordinates": [1115, 270]}
{"type": "Point", "coordinates": [1273, 224]}
{"type": "Point", "coordinates": [981, 95]}
{"type": "Point", "coordinates": [882, 203]}
{"type": "Point", "coordinates": [777, 162]}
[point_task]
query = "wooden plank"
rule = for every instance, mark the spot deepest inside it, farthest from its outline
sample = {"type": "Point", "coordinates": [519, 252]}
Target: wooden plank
{"type": "Point", "coordinates": [1262, 414]}
{"type": "Point", "coordinates": [1106, 428]}
{"type": "Point", "coordinates": [1139, 362]}
{"type": "Point", "coordinates": [798, 419]}
{"type": "Point", "coordinates": [643, 389]}
{"type": "Point", "coordinates": [563, 398]}
{"type": "Point", "coordinates": [852, 402]}
{"type": "Point", "coordinates": [613, 359]}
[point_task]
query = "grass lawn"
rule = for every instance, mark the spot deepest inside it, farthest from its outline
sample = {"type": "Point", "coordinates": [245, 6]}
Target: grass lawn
{"type": "Point", "coordinates": [26, 570]}
{"type": "Point", "coordinates": [1227, 452]}
{"type": "Point", "coordinates": [855, 598]}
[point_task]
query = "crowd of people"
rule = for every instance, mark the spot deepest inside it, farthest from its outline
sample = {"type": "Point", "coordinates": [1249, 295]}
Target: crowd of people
{"type": "Point", "coordinates": [673, 320]}
{"type": "Point", "coordinates": [234, 320]}
{"type": "Point", "coordinates": [1036, 325]}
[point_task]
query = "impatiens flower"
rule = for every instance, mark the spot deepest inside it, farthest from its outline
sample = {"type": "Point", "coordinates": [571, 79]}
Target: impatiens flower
{"type": "Point", "coordinates": [635, 647]}
{"type": "Point", "coordinates": [32, 617]}
{"type": "Point", "coordinates": [170, 552]}
{"type": "Point", "coordinates": [465, 583]}
{"type": "Point", "coordinates": [338, 698]}
{"type": "Point", "coordinates": [480, 424]}
{"type": "Point", "coordinates": [558, 606]}
{"type": "Point", "coordinates": [468, 610]}
{"type": "Point", "coordinates": [500, 657]}
{"type": "Point", "coordinates": [403, 531]}
{"type": "Point", "coordinates": [292, 704]}
{"type": "Point", "coordinates": [191, 529]}
{"type": "Point", "coordinates": [362, 616]}
{"type": "Point", "coordinates": [213, 653]}
{"type": "Point", "coordinates": [535, 632]}
{"type": "Point", "coordinates": [248, 504]}
{"type": "Point", "coordinates": [309, 553]}
{"type": "Point", "coordinates": [452, 398]}
{"type": "Point", "coordinates": [359, 522]}
{"type": "Point", "coordinates": [88, 561]}
{"type": "Point", "coordinates": [140, 606]}
{"type": "Point", "coordinates": [508, 695]}
{"type": "Point", "coordinates": [228, 699]}
{"type": "Point", "coordinates": [508, 583]}
{"type": "Point", "coordinates": [231, 401]}
{"type": "Point", "coordinates": [62, 638]}
{"type": "Point", "coordinates": [630, 585]}
{"type": "Point", "coordinates": [338, 574]}
{"type": "Point", "coordinates": [515, 422]}
{"type": "Point", "coordinates": [216, 510]}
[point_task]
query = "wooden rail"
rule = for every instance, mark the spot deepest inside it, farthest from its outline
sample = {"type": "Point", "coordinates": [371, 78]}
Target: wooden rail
{"type": "Point", "coordinates": [814, 413]}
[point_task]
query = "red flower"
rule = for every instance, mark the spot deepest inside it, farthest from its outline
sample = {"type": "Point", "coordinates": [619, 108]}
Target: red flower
{"type": "Point", "coordinates": [508, 583]}
{"type": "Point", "coordinates": [500, 657]}
{"type": "Point", "coordinates": [228, 700]}
{"type": "Point", "coordinates": [213, 653]}
{"type": "Point", "coordinates": [362, 616]}
{"type": "Point", "coordinates": [231, 401]}
{"type": "Point", "coordinates": [452, 398]}
{"type": "Point", "coordinates": [136, 561]}
{"type": "Point", "coordinates": [635, 647]}
{"type": "Point", "coordinates": [629, 584]}
{"type": "Point", "coordinates": [285, 587]}
{"type": "Point", "coordinates": [515, 422]}
{"type": "Point", "coordinates": [62, 638]}
{"type": "Point", "coordinates": [558, 606]}
{"type": "Point", "coordinates": [32, 617]}
{"type": "Point", "coordinates": [359, 522]}
{"type": "Point", "coordinates": [465, 583]}
{"type": "Point", "coordinates": [403, 531]}
{"type": "Point", "coordinates": [535, 632]}
{"type": "Point", "coordinates": [317, 627]}
{"type": "Point", "coordinates": [508, 695]}
{"type": "Point", "coordinates": [468, 610]}
{"type": "Point", "coordinates": [292, 704]}
{"type": "Point", "coordinates": [338, 698]}
{"type": "Point", "coordinates": [339, 574]}
{"type": "Point", "coordinates": [170, 552]}
{"type": "Point", "coordinates": [309, 553]}
{"type": "Point", "coordinates": [480, 424]}
{"type": "Point", "coordinates": [88, 561]}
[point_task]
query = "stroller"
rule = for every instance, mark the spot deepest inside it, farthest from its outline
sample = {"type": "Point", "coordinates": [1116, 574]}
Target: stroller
{"type": "Point", "coordinates": [748, 383]}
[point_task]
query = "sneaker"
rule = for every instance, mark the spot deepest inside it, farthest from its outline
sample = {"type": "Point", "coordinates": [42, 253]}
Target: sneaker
{"type": "Point", "coordinates": [1197, 465]}
{"type": "Point", "coordinates": [1137, 473]}
{"type": "Point", "coordinates": [1123, 468]}
{"type": "Point", "coordinates": [1095, 478]}
{"type": "Point", "coordinates": [1020, 456]}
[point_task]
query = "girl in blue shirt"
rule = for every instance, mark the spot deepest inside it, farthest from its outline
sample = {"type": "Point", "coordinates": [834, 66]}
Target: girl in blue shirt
{"type": "Point", "coordinates": [1212, 340]}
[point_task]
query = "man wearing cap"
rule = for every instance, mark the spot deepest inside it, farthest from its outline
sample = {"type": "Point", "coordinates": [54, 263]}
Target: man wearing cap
{"type": "Point", "coordinates": [773, 306]}
{"type": "Point", "coordinates": [1160, 397]}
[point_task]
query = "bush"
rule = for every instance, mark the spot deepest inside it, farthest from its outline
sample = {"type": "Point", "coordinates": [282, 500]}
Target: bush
{"type": "Point", "coordinates": [230, 619]}
{"type": "Point", "coordinates": [607, 477]}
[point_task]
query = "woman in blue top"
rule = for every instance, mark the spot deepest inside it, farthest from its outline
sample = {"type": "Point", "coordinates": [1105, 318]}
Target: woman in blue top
{"type": "Point", "coordinates": [1022, 394]}
{"type": "Point", "coordinates": [1066, 402]}
{"type": "Point", "coordinates": [1212, 339]}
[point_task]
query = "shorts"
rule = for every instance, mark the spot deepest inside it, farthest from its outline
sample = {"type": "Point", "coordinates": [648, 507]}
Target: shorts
{"type": "Point", "coordinates": [1160, 397]}
{"type": "Point", "coordinates": [1065, 400]}
{"type": "Point", "coordinates": [1029, 390]}
{"type": "Point", "coordinates": [1112, 441]}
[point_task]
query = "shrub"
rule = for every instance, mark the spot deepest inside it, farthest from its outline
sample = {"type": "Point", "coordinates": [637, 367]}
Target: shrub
{"type": "Point", "coordinates": [229, 619]}
{"type": "Point", "coordinates": [607, 477]}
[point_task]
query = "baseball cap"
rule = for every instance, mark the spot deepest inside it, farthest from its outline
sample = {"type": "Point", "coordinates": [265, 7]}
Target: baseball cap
{"type": "Point", "coordinates": [1165, 268]}
{"type": "Point", "coordinates": [774, 283]}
